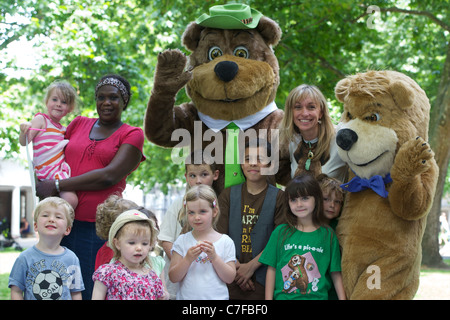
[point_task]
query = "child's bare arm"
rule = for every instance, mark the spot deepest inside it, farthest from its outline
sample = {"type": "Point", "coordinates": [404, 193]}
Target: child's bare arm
{"type": "Point", "coordinates": [338, 285]}
{"type": "Point", "coordinates": [99, 291]}
{"type": "Point", "coordinates": [16, 293]}
{"type": "Point", "coordinates": [225, 271]}
{"type": "Point", "coordinates": [270, 283]}
{"type": "Point", "coordinates": [37, 123]}
{"type": "Point", "coordinates": [179, 265]}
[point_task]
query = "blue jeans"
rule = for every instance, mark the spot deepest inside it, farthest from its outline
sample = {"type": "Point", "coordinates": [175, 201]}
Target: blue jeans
{"type": "Point", "coordinates": [83, 241]}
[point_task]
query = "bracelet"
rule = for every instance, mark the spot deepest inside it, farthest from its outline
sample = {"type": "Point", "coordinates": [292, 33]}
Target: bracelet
{"type": "Point", "coordinates": [57, 185]}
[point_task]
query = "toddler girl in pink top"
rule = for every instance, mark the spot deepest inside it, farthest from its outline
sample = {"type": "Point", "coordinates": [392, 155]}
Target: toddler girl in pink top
{"type": "Point", "coordinates": [47, 134]}
{"type": "Point", "coordinates": [131, 276]}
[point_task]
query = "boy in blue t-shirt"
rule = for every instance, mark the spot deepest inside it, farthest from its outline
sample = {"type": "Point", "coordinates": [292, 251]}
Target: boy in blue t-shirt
{"type": "Point", "coordinates": [48, 271]}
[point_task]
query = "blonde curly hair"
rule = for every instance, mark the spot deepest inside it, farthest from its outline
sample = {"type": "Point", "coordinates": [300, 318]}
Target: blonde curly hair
{"type": "Point", "coordinates": [108, 211]}
{"type": "Point", "coordinates": [330, 185]}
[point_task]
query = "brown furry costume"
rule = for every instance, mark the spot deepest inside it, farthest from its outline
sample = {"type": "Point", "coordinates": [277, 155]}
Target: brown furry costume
{"type": "Point", "coordinates": [229, 87]}
{"type": "Point", "coordinates": [385, 129]}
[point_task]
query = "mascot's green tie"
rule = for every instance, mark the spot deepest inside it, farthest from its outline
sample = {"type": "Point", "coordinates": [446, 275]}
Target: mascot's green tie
{"type": "Point", "coordinates": [233, 172]}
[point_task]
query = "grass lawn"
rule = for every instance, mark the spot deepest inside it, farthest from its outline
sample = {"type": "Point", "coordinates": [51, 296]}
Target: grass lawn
{"type": "Point", "coordinates": [4, 290]}
{"type": "Point", "coordinates": [4, 277]}
{"type": "Point", "coordinates": [434, 284]}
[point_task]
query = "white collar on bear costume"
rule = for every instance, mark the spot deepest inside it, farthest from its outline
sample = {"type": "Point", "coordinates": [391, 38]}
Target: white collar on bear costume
{"type": "Point", "coordinates": [244, 123]}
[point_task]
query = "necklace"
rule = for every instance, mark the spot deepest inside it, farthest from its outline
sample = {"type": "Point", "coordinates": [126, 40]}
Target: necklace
{"type": "Point", "coordinates": [310, 153]}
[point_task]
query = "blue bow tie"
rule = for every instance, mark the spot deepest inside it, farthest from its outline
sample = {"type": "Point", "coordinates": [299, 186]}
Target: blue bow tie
{"type": "Point", "coordinates": [376, 183]}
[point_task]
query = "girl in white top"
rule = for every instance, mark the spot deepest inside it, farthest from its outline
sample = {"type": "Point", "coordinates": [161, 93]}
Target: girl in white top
{"type": "Point", "coordinates": [203, 260]}
{"type": "Point", "coordinates": [202, 172]}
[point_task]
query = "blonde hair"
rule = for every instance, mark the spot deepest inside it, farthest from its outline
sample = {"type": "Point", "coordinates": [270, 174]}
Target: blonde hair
{"type": "Point", "coordinates": [329, 185]}
{"type": "Point", "coordinates": [140, 228]}
{"type": "Point", "coordinates": [108, 211]}
{"type": "Point", "coordinates": [63, 90]}
{"type": "Point", "coordinates": [326, 128]}
{"type": "Point", "coordinates": [203, 192]}
{"type": "Point", "coordinates": [55, 202]}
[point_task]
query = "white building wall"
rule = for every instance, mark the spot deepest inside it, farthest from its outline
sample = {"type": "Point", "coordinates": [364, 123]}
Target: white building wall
{"type": "Point", "coordinates": [16, 178]}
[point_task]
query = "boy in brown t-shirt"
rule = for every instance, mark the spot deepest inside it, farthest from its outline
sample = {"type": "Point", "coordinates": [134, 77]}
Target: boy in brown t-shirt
{"type": "Point", "coordinates": [249, 212]}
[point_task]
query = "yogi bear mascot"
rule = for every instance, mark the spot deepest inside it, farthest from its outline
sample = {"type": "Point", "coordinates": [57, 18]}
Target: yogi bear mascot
{"type": "Point", "coordinates": [231, 75]}
{"type": "Point", "coordinates": [383, 139]}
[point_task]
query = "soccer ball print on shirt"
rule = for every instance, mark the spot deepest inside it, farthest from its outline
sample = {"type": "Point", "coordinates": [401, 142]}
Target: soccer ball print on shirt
{"type": "Point", "coordinates": [48, 285]}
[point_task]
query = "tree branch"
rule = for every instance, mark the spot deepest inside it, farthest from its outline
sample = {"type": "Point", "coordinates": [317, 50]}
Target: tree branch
{"type": "Point", "coordinates": [427, 14]}
{"type": "Point", "coordinates": [324, 62]}
{"type": "Point", "coordinates": [16, 35]}
{"type": "Point", "coordinates": [7, 41]}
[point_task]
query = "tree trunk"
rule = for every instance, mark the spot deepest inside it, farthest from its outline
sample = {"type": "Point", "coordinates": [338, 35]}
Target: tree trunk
{"type": "Point", "coordinates": [439, 138]}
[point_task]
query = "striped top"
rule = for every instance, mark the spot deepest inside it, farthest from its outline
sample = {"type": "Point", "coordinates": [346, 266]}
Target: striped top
{"type": "Point", "coordinates": [48, 151]}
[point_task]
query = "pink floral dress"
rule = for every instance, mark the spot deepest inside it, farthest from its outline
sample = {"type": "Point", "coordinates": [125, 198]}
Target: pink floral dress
{"type": "Point", "coordinates": [124, 284]}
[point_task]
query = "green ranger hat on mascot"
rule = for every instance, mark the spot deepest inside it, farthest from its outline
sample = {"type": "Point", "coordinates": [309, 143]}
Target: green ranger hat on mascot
{"type": "Point", "coordinates": [230, 16]}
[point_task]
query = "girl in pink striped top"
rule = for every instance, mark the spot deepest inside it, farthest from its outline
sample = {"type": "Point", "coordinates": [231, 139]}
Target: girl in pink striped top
{"type": "Point", "coordinates": [47, 134]}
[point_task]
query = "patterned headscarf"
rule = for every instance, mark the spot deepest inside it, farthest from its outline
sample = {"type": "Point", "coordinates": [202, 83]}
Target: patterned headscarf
{"type": "Point", "coordinates": [115, 83]}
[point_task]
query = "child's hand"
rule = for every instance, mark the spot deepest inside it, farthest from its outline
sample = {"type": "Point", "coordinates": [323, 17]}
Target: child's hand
{"type": "Point", "coordinates": [24, 127]}
{"type": "Point", "coordinates": [208, 248]}
{"type": "Point", "coordinates": [193, 252]}
{"type": "Point", "coordinates": [37, 124]}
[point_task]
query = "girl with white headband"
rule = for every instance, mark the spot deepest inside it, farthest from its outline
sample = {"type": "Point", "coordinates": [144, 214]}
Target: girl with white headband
{"type": "Point", "coordinates": [130, 276]}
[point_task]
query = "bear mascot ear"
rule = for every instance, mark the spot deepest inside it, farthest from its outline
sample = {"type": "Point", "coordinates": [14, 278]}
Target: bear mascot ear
{"type": "Point", "coordinates": [269, 30]}
{"type": "Point", "coordinates": [401, 93]}
{"type": "Point", "coordinates": [341, 89]}
{"type": "Point", "coordinates": [191, 36]}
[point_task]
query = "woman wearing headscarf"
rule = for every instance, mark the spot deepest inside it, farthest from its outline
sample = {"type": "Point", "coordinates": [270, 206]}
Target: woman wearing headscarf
{"type": "Point", "coordinates": [102, 152]}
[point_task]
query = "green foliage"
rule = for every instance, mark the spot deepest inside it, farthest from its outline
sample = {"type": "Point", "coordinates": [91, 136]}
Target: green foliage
{"type": "Point", "coordinates": [5, 292]}
{"type": "Point", "coordinates": [322, 42]}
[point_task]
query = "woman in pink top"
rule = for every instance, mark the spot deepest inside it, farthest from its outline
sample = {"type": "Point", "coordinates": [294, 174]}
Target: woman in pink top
{"type": "Point", "coordinates": [101, 152]}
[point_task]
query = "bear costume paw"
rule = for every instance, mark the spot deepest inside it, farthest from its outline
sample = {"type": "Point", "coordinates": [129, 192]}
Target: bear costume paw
{"type": "Point", "coordinates": [170, 76]}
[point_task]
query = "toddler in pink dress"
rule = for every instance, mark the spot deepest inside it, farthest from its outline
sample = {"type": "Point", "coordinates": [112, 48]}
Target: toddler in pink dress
{"type": "Point", "coordinates": [130, 277]}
